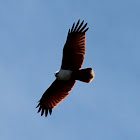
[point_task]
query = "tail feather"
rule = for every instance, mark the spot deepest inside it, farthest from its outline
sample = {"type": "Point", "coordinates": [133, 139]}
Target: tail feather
{"type": "Point", "coordinates": [84, 75]}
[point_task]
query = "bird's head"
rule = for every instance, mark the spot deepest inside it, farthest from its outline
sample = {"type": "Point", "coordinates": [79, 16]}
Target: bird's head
{"type": "Point", "coordinates": [56, 73]}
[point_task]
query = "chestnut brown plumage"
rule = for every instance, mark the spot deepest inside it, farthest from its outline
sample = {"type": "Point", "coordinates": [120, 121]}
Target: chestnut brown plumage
{"type": "Point", "coordinates": [73, 56]}
{"type": "Point", "coordinates": [74, 48]}
{"type": "Point", "coordinates": [54, 94]}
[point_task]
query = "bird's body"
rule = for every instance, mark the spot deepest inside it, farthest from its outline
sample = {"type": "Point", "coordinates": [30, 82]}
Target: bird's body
{"type": "Point", "coordinates": [70, 71]}
{"type": "Point", "coordinates": [63, 74]}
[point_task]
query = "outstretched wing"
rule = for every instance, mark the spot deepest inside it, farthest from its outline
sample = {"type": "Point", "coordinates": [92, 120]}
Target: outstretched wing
{"type": "Point", "coordinates": [74, 48]}
{"type": "Point", "coordinates": [53, 95]}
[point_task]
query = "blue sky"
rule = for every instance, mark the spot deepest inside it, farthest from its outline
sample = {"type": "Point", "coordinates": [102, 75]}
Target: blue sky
{"type": "Point", "coordinates": [32, 35]}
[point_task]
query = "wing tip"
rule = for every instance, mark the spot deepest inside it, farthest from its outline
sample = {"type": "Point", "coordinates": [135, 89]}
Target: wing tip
{"type": "Point", "coordinates": [79, 27]}
{"type": "Point", "coordinates": [43, 110]}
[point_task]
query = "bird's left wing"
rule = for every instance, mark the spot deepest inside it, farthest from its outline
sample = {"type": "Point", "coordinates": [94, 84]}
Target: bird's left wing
{"type": "Point", "coordinates": [74, 48]}
{"type": "Point", "coordinates": [53, 95]}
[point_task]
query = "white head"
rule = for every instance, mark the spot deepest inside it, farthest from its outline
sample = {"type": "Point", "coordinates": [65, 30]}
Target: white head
{"type": "Point", "coordinates": [56, 73]}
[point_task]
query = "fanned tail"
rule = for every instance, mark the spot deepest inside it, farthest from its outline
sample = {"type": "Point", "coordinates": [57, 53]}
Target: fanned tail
{"type": "Point", "coordinates": [84, 75]}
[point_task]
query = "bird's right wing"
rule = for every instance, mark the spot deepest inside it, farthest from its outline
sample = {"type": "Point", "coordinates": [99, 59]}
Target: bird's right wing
{"type": "Point", "coordinates": [53, 95]}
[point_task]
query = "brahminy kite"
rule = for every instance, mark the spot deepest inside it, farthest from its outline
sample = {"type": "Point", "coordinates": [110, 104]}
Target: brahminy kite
{"type": "Point", "coordinates": [73, 56]}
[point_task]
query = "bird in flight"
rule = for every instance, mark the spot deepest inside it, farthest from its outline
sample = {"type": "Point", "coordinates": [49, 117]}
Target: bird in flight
{"type": "Point", "coordinates": [70, 71]}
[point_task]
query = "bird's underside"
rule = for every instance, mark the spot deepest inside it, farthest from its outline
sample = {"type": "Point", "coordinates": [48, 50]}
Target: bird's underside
{"type": "Point", "coordinates": [73, 56]}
